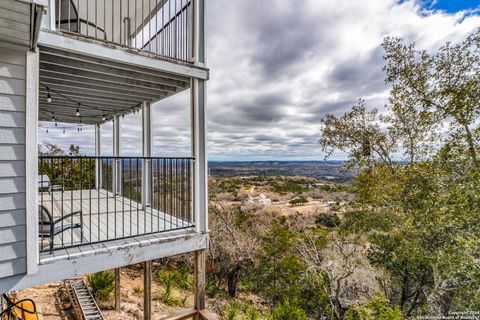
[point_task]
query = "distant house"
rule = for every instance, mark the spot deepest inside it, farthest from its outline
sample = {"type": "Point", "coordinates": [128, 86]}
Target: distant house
{"type": "Point", "coordinates": [87, 63]}
{"type": "Point", "coordinates": [258, 202]}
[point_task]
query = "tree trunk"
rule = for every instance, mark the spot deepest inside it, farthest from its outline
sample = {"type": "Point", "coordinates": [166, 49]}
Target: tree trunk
{"type": "Point", "coordinates": [232, 282]}
{"type": "Point", "coordinates": [471, 146]}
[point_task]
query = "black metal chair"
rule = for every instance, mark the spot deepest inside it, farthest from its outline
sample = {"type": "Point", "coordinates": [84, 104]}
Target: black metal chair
{"type": "Point", "coordinates": [49, 228]}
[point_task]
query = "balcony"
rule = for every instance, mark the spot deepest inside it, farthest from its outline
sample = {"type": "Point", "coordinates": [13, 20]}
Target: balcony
{"type": "Point", "coordinates": [154, 27]}
{"type": "Point", "coordinates": [95, 200]}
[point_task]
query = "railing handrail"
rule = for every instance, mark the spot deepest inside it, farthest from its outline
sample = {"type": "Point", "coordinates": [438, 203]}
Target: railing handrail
{"type": "Point", "coordinates": [167, 36]}
{"type": "Point", "coordinates": [112, 157]}
{"type": "Point", "coordinates": [115, 197]}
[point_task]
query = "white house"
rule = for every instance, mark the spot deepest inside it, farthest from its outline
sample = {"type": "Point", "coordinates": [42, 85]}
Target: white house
{"type": "Point", "coordinates": [87, 62]}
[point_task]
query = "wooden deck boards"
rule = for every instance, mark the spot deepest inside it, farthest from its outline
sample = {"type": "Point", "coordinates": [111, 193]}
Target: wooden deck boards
{"type": "Point", "coordinates": [105, 217]}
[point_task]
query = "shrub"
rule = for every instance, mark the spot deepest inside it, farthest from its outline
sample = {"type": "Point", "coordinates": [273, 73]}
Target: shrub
{"type": "Point", "coordinates": [375, 308]}
{"type": "Point", "coordinates": [102, 284]}
{"type": "Point", "coordinates": [328, 220]}
{"type": "Point", "coordinates": [232, 311]}
{"type": "Point", "coordinates": [298, 201]}
{"type": "Point", "coordinates": [289, 310]}
{"type": "Point", "coordinates": [180, 278]}
{"type": "Point", "coordinates": [137, 291]}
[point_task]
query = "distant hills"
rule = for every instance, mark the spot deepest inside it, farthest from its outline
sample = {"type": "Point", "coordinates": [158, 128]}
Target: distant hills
{"type": "Point", "coordinates": [325, 170]}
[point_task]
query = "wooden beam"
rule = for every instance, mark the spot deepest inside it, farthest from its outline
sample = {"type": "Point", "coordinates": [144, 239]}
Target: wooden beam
{"type": "Point", "coordinates": [88, 74]}
{"type": "Point", "coordinates": [107, 70]}
{"type": "Point", "coordinates": [182, 315]}
{"type": "Point", "coordinates": [159, 246]}
{"type": "Point", "coordinates": [88, 87]}
{"type": "Point", "coordinates": [127, 84]}
{"type": "Point", "coordinates": [207, 315]}
{"type": "Point", "coordinates": [117, 290]}
{"type": "Point", "coordinates": [46, 76]}
{"type": "Point", "coordinates": [77, 95]}
{"type": "Point", "coordinates": [199, 276]}
{"type": "Point", "coordinates": [192, 314]}
{"type": "Point", "coordinates": [102, 51]}
{"type": "Point", "coordinates": [110, 63]}
{"type": "Point", "coordinates": [147, 290]}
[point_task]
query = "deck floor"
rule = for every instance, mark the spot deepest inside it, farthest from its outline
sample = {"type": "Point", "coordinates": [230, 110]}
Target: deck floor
{"type": "Point", "coordinates": [105, 217]}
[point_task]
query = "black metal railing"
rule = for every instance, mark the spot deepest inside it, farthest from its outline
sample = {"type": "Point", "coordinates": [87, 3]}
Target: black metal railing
{"type": "Point", "coordinates": [87, 200]}
{"type": "Point", "coordinates": [160, 27]}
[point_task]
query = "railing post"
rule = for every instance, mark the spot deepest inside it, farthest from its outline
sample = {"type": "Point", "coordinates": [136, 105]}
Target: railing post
{"type": "Point", "coordinates": [146, 152]}
{"type": "Point", "coordinates": [98, 162]}
{"type": "Point", "coordinates": [197, 32]}
{"type": "Point", "coordinates": [117, 164]}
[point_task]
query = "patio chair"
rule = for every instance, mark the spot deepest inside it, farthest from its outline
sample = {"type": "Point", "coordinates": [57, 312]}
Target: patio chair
{"type": "Point", "coordinates": [49, 228]}
{"type": "Point", "coordinates": [46, 185]}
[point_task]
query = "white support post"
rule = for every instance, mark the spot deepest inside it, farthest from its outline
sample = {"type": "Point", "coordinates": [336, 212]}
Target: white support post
{"type": "Point", "coordinates": [31, 160]}
{"type": "Point", "coordinates": [198, 119]}
{"type": "Point", "coordinates": [117, 164]}
{"type": "Point", "coordinates": [146, 152]}
{"type": "Point", "coordinates": [98, 162]}
{"type": "Point", "coordinates": [199, 152]}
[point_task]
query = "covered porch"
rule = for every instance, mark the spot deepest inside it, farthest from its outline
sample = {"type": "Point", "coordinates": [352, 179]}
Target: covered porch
{"type": "Point", "coordinates": [119, 197]}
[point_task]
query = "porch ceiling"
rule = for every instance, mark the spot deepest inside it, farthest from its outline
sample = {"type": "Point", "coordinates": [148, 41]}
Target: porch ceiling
{"type": "Point", "coordinates": [102, 87]}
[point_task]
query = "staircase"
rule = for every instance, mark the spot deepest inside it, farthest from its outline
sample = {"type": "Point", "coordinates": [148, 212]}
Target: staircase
{"type": "Point", "coordinates": [83, 302]}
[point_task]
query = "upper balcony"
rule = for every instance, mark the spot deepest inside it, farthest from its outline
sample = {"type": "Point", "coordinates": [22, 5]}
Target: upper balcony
{"type": "Point", "coordinates": [160, 28]}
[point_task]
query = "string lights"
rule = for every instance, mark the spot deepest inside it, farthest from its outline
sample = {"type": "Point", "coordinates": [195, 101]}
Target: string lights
{"type": "Point", "coordinates": [104, 116]}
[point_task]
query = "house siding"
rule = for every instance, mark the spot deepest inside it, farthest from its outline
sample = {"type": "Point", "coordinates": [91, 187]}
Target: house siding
{"type": "Point", "coordinates": [12, 162]}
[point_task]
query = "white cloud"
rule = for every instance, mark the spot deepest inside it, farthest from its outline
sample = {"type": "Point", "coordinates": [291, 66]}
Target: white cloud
{"type": "Point", "coordinates": [278, 66]}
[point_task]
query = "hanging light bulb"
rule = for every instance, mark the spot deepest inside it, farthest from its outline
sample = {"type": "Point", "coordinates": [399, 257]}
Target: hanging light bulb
{"type": "Point", "coordinates": [104, 117]}
{"type": "Point", "coordinates": [49, 97]}
{"type": "Point", "coordinates": [78, 111]}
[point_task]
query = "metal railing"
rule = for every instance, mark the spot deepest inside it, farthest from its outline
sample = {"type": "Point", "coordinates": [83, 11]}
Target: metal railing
{"type": "Point", "coordinates": [161, 27]}
{"type": "Point", "coordinates": [87, 200]}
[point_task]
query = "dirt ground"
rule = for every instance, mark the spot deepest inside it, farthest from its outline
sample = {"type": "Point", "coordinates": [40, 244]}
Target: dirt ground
{"type": "Point", "coordinates": [53, 302]}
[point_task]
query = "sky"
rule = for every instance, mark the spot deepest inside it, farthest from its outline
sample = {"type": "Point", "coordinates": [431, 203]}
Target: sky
{"type": "Point", "coordinates": [278, 66]}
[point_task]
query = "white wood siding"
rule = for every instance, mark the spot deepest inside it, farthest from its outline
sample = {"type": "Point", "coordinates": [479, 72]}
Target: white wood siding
{"type": "Point", "coordinates": [12, 158]}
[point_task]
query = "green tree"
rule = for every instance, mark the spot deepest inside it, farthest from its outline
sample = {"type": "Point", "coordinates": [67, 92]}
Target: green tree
{"type": "Point", "coordinates": [289, 310]}
{"type": "Point", "coordinates": [420, 210]}
{"type": "Point", "coordinates": [375, 309]}
{"type": "Point", "coordinates": [279, 268]}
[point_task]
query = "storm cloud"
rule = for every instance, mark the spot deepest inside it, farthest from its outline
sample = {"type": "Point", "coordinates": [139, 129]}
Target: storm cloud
{"type": "Point", "coordinates": [277, 67]}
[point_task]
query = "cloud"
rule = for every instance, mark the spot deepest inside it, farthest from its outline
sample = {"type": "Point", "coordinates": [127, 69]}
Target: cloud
{"type": "Point", "coordinates": [277, 67]}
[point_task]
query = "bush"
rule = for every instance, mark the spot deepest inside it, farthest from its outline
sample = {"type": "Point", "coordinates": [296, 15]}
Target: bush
{"type": "Point", "coordinates": [102, 284]}
{"type": "Point", "coordinates": [180, 278]}
{"type": "Point", "coordinates": [375, 308]}
{"type": "Point", "coordinates": [137, 291]}
{"type": "Point", "coordinates": [298, 201]}
{"type": "Point", "coordinates": [328, 220]}
{"type": "Point", "coordinates": [289, 311]}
